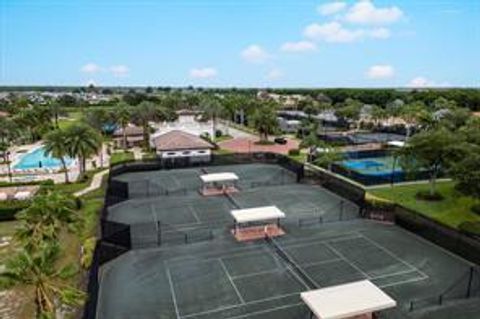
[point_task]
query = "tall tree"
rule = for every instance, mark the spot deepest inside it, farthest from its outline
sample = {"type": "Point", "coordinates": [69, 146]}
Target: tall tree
{"type": "Point", "coordinates": [42, 221]}
{"type": "Point", "coordinates": [432, 150]}
{"type": "Point", "coordinates": [40, 271]}
{"type": "Point", "coordinates": [82, 142]}
{"type": "Point", "coordinates": [123, 116]}
{"type": "Point", "coordinates": [55, 144]}
{"type": "Point", "coordinates": [265, 119]}
{"type": "Point", "coordinates": [213, 109]}
{"type": "Point", "coordinates": [146, 112]}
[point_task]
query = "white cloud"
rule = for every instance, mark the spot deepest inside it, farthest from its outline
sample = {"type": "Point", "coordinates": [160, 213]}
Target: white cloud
{"type": "Point", "coordinates": [365, 12]}
{"type": "Point", "coordinates": [336, 32]}
{"type": "Point", "coordinates": [300, 46]}
{"type": "Point", "coordinates": [203, 73]}
{"type": "Point", "coordinates": [331, 8]}
{"type": "Point", "coordinates": [255, 54]}
{"type": "Point", "coordinates": [380, 71]}
{"type": "Point", "coordinates": [423, 82]}
{"type": "Point", "coordinates": [90, 68]}
{"type": "Point", "coordinates": [274, 74]}
{"type": "Point", "coordinates": [332, 32]}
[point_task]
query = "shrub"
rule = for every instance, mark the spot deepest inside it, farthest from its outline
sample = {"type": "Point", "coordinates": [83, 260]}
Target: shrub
{"type": "Point", "coordinates": [294, 152]}
{"type": "Point", "coordinates": [218, 133]}
{"type": "Point", "coordinates": [88, 249]}
{"type": "Point", "coordinates": [377, 202]}
{"type": "Point", "coordinates": [426, 195]}
{"type": "Point", "coordinates": [476, 209]}
{"type": "Point", "coordinates": [470, 228]}
{"type": "Point", "coordinates": [9, 208]}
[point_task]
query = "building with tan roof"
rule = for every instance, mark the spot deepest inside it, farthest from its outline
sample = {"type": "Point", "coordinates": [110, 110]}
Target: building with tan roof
{"type": "Point", "coordinates": [179, 144]}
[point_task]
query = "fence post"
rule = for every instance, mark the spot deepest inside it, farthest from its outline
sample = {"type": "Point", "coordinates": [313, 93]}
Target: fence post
{"type": "Point", "coordinates": [411, 306]}
{"type": "Point", "coordinates": [186, 238]}
{"type": "Point", "coordinates": [159, 233]}
{"type": "Point", "coordinates": [470, 279]}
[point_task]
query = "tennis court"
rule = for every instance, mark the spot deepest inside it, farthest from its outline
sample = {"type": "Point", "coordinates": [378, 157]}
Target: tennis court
{"type": "Point", "coordinates": [185, 181]}
{"type": "Point", "coordinates": [185, 263]}
{"type": "Point", "coordinates": [225, 279]}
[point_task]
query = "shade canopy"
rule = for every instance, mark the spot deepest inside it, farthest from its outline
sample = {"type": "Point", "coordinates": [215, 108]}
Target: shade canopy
{"type": "Point", "coordinates": [257, 214]}
{"type": "Point", "coordinates": [348, 300]}
{"type": "Point", "coordinates": [218, 177]}
{"type": "Point", "coordinates": [396, 143]}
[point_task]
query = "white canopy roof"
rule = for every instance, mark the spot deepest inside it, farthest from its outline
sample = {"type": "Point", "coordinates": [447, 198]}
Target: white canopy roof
{"type": "Point", "coordinates": [257, 214]}
{"type": "Point", "coordinates": [396, 143]}
{"type": "Point", "coordinates": [348, 300]}
{"type": "Point", "coordinates": [218, 177]}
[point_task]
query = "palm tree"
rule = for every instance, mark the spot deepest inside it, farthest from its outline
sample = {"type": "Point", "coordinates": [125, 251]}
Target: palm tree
{"type": "Point", "coordinates": [213, 109]}
{"type": "Point", "coordinates": [39, 270]}
{"type": "Point", "coordinates": [55, 109]}
{"type": "Point", "coordinates": [55, 145]}
{"type": "Point", "coordinates": [146, 112]}
{"type": "Point", "coordinates": [122, 117]}
{"type": "Point", "coordinates": [82, 142]}
{"type": "Point", "coordinates": [265, 120]}
{"type": "Point", "coordinates": [42, 221]}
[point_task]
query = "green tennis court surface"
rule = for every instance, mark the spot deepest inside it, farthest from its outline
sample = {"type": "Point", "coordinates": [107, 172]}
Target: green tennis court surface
{"type": "Point", "coordinates": [224, 279]}
{"type": "Point", "coordinates": [326, 244]}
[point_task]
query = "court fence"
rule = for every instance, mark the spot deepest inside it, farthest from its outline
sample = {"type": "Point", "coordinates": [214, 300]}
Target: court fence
{"type": "Point", "coordinates": [465, 287]}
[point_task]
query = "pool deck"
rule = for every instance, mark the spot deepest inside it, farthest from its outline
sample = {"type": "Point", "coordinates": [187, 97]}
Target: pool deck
{"type": "Point", "coordinates": [16, 152]}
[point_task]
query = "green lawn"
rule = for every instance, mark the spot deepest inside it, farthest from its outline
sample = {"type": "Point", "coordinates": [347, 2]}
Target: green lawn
{"type": "Point", "coordinates": [452, 211]}
{"type": "Point", "coordinates": [121, 157]}
{"type": "Point", "coordinates": [72, 118]}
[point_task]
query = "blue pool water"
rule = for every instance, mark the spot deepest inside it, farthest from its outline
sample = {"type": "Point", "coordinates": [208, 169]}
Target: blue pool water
{"type": "Point", "coordinates": [33, 159]}
{"type": "Point", "coordinates": [372, 166]}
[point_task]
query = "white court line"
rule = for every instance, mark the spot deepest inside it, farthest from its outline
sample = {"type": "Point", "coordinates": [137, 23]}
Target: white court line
{"type": "Point", "coordinates": [252, 274]}
{"type": "Point", "coordinates": [194, 213]}
{"type": "Point", "coordinates": [398, 283]}
{"type": "Point", "coordinates": [289, 267]}
{"type": "Point", "coordinates": [240, 305]}
{"type": "Point", "coordinates": [396, 274]}
{"type": "Point", "coordinates": [266, 311]}
{"type": "Point", "coordinates": [311, 243]}
{"type": "Point", "coordinates": [172, 291]}
{"type": "Point", "coordinates": [231, 280]}
{"type": "Point", "coordinates": [393, 255]}
{"type": "Point", "coordinates": [261, 248]}
{"type": "Point", "coordinates": [347, 261]}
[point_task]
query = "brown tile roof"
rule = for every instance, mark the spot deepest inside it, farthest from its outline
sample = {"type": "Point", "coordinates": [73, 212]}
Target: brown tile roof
{"type": "Point", "coordinates": [179, 140]}
{"type": "Point", "coordinates": [131, 131]}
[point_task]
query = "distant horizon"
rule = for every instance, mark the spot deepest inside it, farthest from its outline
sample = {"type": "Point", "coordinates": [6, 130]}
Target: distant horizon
{"type": "Point", "coordinates": [241, 43]}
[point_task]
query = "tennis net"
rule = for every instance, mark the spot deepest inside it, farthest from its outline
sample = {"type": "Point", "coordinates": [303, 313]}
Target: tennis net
{"type": "Point", "coordinates": [294, 266]}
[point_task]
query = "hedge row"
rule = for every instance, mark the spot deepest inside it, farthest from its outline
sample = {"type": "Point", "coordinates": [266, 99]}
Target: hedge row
{"type": "Point", "coordinates": [9, 208]}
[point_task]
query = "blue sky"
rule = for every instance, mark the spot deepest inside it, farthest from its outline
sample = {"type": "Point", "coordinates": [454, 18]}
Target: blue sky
{"type": "Point", "coordinates": [258, 43]}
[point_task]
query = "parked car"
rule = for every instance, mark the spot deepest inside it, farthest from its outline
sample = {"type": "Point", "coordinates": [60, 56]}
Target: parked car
{"type": "Point", "coordinates": [280, 140]}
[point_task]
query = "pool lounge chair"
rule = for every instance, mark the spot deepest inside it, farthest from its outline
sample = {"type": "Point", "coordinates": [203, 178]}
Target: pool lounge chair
{"type": "Point", "coordinates": [22, 195]}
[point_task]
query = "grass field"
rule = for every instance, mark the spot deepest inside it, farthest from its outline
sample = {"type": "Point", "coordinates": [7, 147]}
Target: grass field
{"type": "Point", "coordinates": [121, 157]}
{"type": "Point", "coordinates": [452, 211]}
{"type": "Point", "coordinates": [72, 118]}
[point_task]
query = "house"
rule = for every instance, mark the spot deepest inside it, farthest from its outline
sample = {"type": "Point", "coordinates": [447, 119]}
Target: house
{"type": "Point", "coordinates": [178, 144]}
{"type": "Point", "coordinates": [289, 126]}
{"type": "Point", "coordinates": [134, 136]}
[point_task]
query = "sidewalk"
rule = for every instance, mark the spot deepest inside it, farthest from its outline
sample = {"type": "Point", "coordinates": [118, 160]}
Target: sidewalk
{"type": "Point", "coordinates": [95, 184]}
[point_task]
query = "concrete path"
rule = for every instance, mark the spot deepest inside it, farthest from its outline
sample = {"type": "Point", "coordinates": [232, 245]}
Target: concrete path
{"type": "Point", "coordinates": [95, 184]}
{"type": "Point", "coordinates": [234, 132]}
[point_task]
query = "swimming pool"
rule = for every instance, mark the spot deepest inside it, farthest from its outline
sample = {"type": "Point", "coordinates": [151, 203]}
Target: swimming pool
{"type": "Point", "coordinates": [38, 159]}
{"type": "Point", "coordinates": [373, 166]}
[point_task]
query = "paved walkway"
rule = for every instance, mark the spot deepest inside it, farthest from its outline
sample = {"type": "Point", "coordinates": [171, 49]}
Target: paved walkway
{"type": "Point", "coordinates": [95, 184]}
